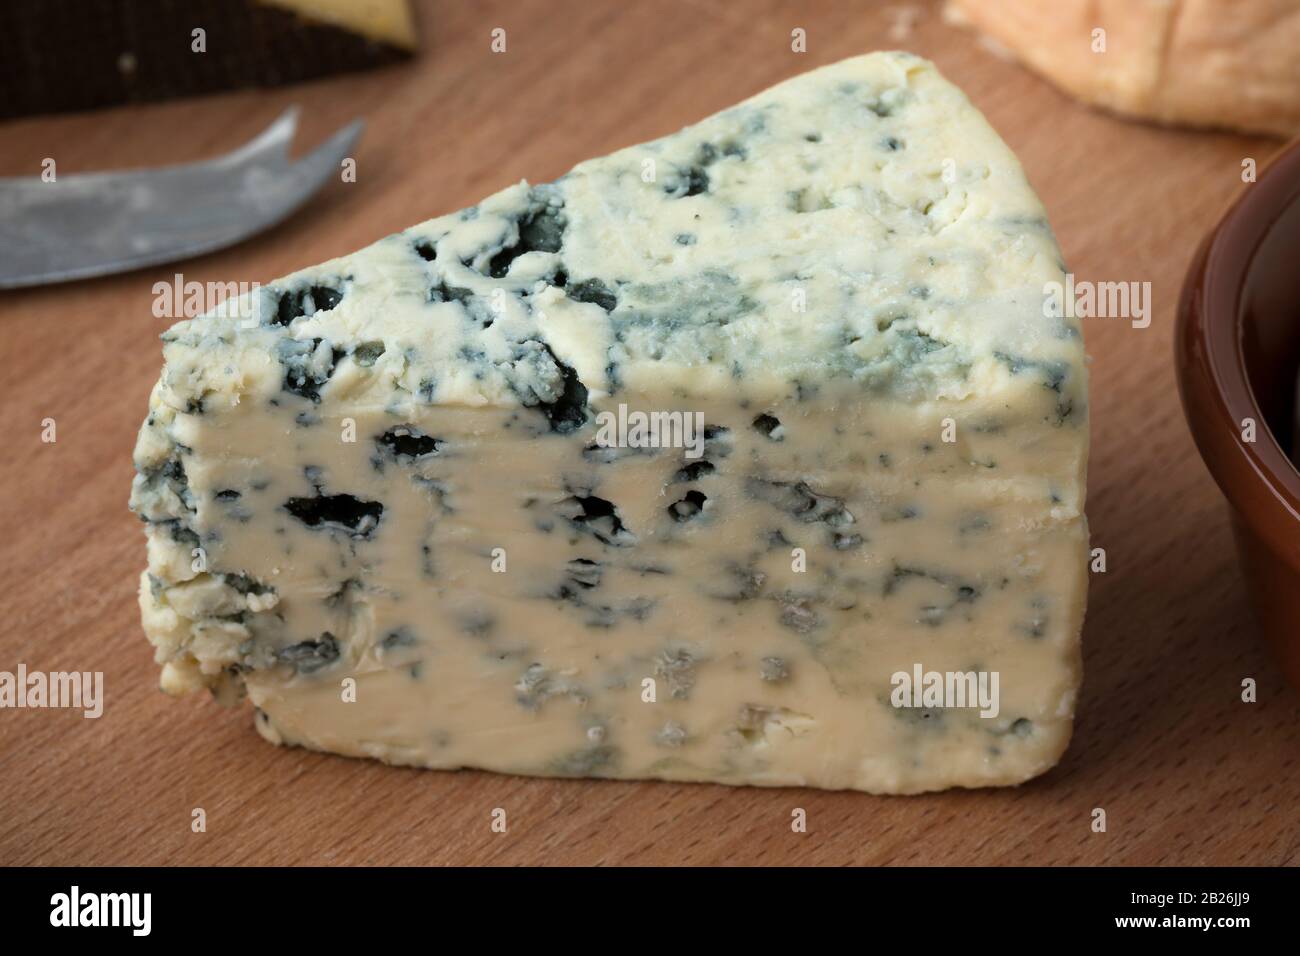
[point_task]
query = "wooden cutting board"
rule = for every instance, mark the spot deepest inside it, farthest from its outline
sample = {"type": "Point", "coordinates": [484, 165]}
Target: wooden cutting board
{"type": "Point", "coordinates": [1186, 772]}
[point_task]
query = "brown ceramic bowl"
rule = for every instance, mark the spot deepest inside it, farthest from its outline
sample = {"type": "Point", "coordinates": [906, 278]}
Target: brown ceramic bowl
{"type": "Point", "coordinates": [1238, 352]}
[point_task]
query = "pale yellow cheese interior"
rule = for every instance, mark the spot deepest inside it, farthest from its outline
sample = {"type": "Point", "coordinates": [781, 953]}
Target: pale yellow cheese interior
{"type": "Point", "coordinates": [865, 264]}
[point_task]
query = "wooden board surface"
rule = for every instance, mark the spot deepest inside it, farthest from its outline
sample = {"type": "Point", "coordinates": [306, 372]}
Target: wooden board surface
{"type": "Point", "coordinates": [1186, 772]}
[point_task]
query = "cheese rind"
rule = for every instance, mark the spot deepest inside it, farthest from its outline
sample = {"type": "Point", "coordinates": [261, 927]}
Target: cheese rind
{"type": "Point", "coordinates": [1172, 61]}
{"type": "Point", "coordinates": [414, 548]}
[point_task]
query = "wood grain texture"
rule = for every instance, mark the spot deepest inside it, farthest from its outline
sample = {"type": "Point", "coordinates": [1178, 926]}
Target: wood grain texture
{"type": "Point", "coordinates": [1186, 772]}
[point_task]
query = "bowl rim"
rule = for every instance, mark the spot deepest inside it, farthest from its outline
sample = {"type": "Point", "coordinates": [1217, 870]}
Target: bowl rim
{"type": "Point", "coordinates": [1210, 360]}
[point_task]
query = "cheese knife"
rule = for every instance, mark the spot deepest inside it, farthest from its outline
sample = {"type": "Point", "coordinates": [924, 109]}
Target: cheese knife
{"type": "Point", "coordinates": [95, 224]}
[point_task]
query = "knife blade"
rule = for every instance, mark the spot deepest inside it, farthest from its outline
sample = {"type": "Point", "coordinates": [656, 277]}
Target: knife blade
{"type": "Point", "coordinates": [94, 224]}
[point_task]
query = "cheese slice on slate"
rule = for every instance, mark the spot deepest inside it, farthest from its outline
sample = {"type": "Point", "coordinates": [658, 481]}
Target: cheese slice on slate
{"type": "Point", "coordinates": [57, 55]}
{"type": "Point", "coordinates": [414, 542]}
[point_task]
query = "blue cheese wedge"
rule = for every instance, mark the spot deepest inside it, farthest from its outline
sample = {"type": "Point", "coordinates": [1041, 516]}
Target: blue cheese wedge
{"type": "Point", "coordinates": [387, 498]}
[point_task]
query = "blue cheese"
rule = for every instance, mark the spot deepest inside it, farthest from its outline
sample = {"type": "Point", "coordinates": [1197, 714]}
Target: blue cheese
{"type": "Point", "coordinates": [375, 503]}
